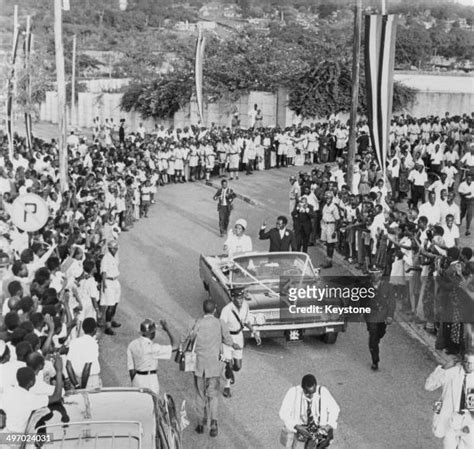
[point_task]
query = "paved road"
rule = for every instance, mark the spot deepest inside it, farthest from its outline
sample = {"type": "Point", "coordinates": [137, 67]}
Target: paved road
{"type": "Point", "coordinates": [159, 265]}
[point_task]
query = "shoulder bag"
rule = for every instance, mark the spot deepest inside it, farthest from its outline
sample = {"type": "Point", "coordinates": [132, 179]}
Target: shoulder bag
{"type": "Point", "coordinates": [187, 356]}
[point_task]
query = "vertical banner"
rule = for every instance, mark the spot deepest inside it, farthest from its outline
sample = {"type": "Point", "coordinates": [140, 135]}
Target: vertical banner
{"type": "Point", "coordinates": [27, 51]}
{"type": "Point", "coordinates": [10, 83]}
{"type": "Point", "coordinates": [198, 73]}
{"type": "Point", "coordinates": [380, 35]}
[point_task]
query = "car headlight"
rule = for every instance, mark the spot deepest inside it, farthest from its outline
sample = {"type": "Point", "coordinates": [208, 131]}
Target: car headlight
{"type": "Point", "coordinates": [260, 319]}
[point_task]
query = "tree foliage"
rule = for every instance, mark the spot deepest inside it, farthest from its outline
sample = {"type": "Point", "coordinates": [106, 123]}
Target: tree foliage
{"type": "Point", "coordinates": [315, 67]}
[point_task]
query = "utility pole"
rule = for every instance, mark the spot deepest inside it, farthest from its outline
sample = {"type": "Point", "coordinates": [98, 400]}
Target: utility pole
{"type": "Point", "coordinates": [355, 93]}
{"type": "Point", "coordinates": [73, 82]}
{"type": "Point", "coordinates": [61, 87]}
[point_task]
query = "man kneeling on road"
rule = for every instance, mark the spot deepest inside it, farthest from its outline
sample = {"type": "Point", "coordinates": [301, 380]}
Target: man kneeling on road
{"type": "Point", "coordinates": [309, 413]}
{"type": "Point", "coordinates": [236, 315]}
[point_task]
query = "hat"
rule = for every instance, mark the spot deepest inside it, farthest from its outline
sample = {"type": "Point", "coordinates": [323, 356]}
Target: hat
{"type": "Point", "coordinates": [237, 291]}
{"type": "Point", "coordinates": [241, 222]}
{"type": "Point", "coordinates": [375, 272]}
{"type": "Point", "coordinates": [147, 327]}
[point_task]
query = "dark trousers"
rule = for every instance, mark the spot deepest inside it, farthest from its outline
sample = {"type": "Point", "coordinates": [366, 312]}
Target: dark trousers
{"type": "Point", "coordinates": [302, 239]}
{"type": "Point", "coordinates": [417, 194]}
{"type": "Point", "coordinates": [376, 333]}
{"type": "Point", "coordinates": [224, 215]}
{"type": "Point", "coordinates": [110, 313]}
{"type": "Point", "coordinates": [467, 207]}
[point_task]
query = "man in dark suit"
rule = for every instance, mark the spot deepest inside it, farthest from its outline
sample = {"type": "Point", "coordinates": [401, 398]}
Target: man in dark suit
{"type": "Point", "coordinates": [224, 196]}
{"type": "Point", "coordinates": [122, 131]}
{"type": "Point", "coordinates": [302, 218]}
{"type": "Point", "coordinates": [281, 238]}
{"type": "Point", "coordinates": [382, 310]}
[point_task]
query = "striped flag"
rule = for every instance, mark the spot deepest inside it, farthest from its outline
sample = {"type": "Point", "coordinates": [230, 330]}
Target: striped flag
{"type": "Point", "coordinates": [380, 33]}
{"type": "Point", "coordinates": [198, 73]}
{"type": "Point", "coordinates": [10, 88]}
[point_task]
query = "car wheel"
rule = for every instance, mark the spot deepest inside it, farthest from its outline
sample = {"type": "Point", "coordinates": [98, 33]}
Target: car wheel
{"type": "Point", "coordinates": [329, 338]}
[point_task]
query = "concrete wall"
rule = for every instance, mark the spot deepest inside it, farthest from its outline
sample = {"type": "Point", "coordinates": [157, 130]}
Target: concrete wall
{"type": "Point", "coordinates": [437, 94]}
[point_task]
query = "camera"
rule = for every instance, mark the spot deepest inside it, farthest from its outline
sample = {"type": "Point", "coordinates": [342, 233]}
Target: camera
{"type": "Point", "coordinates": [470, 399]}
{"type": "Point", "coordinates": [437, 407]}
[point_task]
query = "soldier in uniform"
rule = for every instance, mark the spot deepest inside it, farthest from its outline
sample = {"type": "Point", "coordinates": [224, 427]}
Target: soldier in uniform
{"type": "Point", "coordinates": [382, 309]}
{"type": "Point", "coordinates": [109, 268]}
{"type": "Point", "coordinates": [237, 316]}
{"type": "Point", "coordinates": [329, 218]}
{"type": "Point", "coordinates": [143, 355]}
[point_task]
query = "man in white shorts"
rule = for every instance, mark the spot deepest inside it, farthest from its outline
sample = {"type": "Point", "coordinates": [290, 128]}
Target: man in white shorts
{"type": "Point", "coordinates": [237, 316]}
{"type": "Point", "coordinates": [110, 297]}
{"type": "Point", "coordinates": [329, 218]}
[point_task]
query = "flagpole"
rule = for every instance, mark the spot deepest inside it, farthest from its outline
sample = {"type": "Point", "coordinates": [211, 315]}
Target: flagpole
{"type": "Point", "coordinates": [384, 168]}
{"type": "Point", "coordinates": [61, 88]}
{"type": "Point", "coordinates": [355, 93]}
{"type": "Point", "coordinates": [27, 48]}
{"type": "Point", "coordinates": [10, 83]}
{"type": "Point", "coordinates": [73, 82]}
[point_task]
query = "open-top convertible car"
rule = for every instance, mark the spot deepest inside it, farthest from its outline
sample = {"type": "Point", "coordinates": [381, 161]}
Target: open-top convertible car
{"type": "Point", "coordinates": [115, 418]}
{"type": "Point", "coordinates": [266, 277]}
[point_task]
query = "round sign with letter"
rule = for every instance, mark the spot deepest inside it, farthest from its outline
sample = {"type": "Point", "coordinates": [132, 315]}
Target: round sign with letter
{"type": "Point", "coordinates": [30, 212]}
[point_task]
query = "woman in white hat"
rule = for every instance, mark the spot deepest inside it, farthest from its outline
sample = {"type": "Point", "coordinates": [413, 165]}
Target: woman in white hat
{"type": "Point", "coordinates": [237, 242]}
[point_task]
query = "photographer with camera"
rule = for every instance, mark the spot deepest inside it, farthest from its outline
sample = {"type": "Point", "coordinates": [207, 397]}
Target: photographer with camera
{"type": "Point", "coordinates": [453, 418]}
{"type": "Point", "coordinates": [309, 413]}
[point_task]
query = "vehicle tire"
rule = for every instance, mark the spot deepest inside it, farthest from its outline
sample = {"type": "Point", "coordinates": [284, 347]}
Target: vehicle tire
{"type": "Point", "coordinates": [329, 338]}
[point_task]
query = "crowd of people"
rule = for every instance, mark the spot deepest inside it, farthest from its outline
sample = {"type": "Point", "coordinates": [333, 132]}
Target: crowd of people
{"type": "Point", "coordinates": [61, 284]}
{"type": "Point", "coordinates": [405, 222]}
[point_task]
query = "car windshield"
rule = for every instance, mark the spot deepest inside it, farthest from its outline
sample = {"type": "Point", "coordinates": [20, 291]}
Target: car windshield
{"type": "Point", "coordinates": [269, 267]}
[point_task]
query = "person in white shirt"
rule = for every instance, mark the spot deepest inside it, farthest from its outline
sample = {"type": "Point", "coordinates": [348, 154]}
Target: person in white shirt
{"type": "Point", "coordinates": [418, 179]}
{"type": "Point", "coordinates": [252, 115]}
{"type": "Point", "coordinates": [83, 358]}
{"type": "Point", "coordinates": [431, 209]}
{"type": "Point", "coordinates": [36, 362]}
{"type": "Point", "coordinates": [439, 185]}
{"type": "Point", "coordinates": [88, 292]}
{"type": "Point", "coordinates": [467, 161]}
{"type": "Point", "coordinates": [449, 207]}
{"type": "Point", "coordinates": [73, 140]}
{"type": "Point", "coordinates": [466, 190]}
{"type": "Point", "coordinates": [301, 406]}
{"type": "Point", "coordinates": [19, 402]}
{"type": "Point", "coordinates": [453, 421]}
{"type": "Point", "coordinates": [236, 314]}
{"type": "Point", "coordinates": [141, 131]}
{"type": "Point", "coordinates": [451, 232]}
{"type": "Point", "coordinates": [451, 171]}
{"type": "Point", "coordinates": [143, 355]}
{"type": "Point", "coordinates": [237, 242]}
